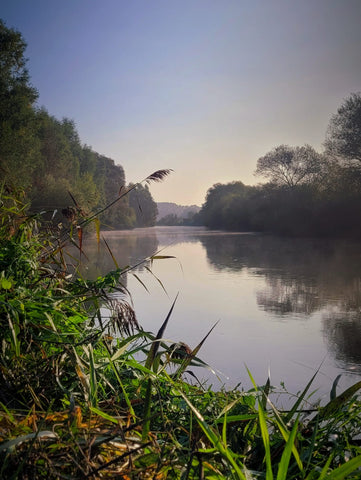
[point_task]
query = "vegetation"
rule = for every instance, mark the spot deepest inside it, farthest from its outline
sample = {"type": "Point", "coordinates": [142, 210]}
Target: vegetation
{"type": "Point", "coordinates": [86, 393]}
{"type": "Point", "coordinates": [308, 194]}
{"type": "Point", "coordinates": [45, 157]}
{"type": "Point", "coordinates": [178, 215]}
{"type": "Point", "coordinates": [191, 220]}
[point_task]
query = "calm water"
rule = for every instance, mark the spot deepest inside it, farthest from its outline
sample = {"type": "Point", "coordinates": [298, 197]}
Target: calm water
{"type": "Point", "coordinates": [284, 306]}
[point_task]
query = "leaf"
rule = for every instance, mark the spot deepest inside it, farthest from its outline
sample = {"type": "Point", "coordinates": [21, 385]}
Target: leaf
{"type": "Point", "coordinates": [341, 472]}
{"type": "Point", "coordinates": [140, 281]}
{"type": "Point", "coordinates": [335, 404]}
{"type": "Point", "coordinates": [104, 415]}
{"type": "Point", "coordinates": [334, 386]}
{"type": "Point", "coordinates": [6, 284]}
{"type": "Point", "coordinates": [286, 455]}
{"type": "Point", "coordinates": [266, 442]}
{"type": "Point", "coordinates": [155, 345]}
{"type": "Point", "coordinates": [111, 253]}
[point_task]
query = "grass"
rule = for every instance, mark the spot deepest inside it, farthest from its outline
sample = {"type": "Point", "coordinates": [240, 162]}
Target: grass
{"type": "Point", "coordinates": [83, 396]}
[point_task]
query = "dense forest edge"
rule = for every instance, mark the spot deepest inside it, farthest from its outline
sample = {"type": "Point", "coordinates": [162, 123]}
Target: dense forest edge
{"type": "Point", "coordinates": [85, 392]}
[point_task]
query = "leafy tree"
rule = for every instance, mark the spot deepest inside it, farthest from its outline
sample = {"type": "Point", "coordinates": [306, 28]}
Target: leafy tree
{"type": "Point", "coordinates": [343, 137]}
{"type": "Point", "coordinates": [290, 166]}
{"type": "Point", "coordinates": [145, 208]}
{"type": "Point", "coordinates": [110, 180]}
{"type": "Point", "coordinates": [18, 144]}
{"type": "Point", "coordinates": [224, 206]}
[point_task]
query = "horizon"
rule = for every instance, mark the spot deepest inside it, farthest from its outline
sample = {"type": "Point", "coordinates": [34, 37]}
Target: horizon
{"type": "Point", "coordinates": [203, 88]}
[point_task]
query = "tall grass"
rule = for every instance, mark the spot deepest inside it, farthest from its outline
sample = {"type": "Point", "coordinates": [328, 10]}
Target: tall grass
{"type": "Point", "coordinates": [84, 396]}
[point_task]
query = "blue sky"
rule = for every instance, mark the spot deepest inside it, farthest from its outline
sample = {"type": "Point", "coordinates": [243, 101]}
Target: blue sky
{"type": "Point", "coordinates": [204, 87]}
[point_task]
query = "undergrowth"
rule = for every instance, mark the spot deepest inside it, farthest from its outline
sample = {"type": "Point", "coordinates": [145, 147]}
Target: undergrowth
{"type": "Point", "coordinates": [85, 394]}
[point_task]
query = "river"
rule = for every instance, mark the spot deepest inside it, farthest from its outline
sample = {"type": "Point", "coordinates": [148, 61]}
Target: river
{"type": "Point", "coordinates": [284, 307]}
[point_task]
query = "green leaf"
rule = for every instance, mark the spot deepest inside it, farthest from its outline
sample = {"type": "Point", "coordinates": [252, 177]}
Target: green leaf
{"type": "Point", "coordinates": [266, 442]}
{"type": "Point", "coordinates": [286, 455]}
{"type": "Point", "coordinates": [104, 415]}
{"type": "Point", "coordinates": [341, 472]}
{"type": "Point", "coordinates": [6, 284]}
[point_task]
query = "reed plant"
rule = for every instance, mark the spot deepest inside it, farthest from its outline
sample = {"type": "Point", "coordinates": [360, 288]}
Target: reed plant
{"type": "Point", "coordinates": [89, 395]}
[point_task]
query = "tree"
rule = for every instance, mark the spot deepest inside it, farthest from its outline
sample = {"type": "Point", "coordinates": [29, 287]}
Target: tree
{"type": "Point", "coordinates": [290, 166]}
{"type": "Point", "coordinates": [145, 208]}
{"type": "Point", "coordinates": [343, 137]}
{"type": "Point", "coordinates": [110, 180]}
{"type": "Point", "coordinates": [225, 206]}
{"type": "Point", "coordinates": [18, 145]}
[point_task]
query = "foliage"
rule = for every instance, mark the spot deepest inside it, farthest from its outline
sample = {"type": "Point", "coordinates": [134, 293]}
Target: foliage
{"type": "Point", "coordinates": [18, 145]}
{"type": "Point", "coordinates": [192, 219]}
{"type": "Point", "coordinates": [290, 166]}
{"type": "Point", "coordinates": [145, 208]}
{"type": "Point", "coordinates": [343, 138]}
{"type": "Point", "coordinates": [86, 393]}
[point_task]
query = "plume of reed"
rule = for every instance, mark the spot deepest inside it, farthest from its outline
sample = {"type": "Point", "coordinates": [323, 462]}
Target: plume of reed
{"type": "Point", "coordinates": [123, 317]}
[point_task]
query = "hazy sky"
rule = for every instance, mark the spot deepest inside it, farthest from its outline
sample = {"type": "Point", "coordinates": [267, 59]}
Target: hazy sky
{"type": "Point", "coordinates": [204, 87]}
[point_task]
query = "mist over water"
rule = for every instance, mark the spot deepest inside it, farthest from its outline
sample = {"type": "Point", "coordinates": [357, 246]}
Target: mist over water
{"type": "Point", "coordinates": [284, 306]}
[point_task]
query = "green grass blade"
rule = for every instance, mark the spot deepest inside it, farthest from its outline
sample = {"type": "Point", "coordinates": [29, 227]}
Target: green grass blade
{"type": "Point", "coordinates": [92, 378]}
{"type": "Point", "coordinates": [346, 469]}
{"type": "Point", "coordinates": [324, 470]}
{"type": "Point", "coordinates": [104, 415]}
{"type": "Point", "coordinates": [286, 435]}
{"type": "Point", "coordinates": [335, 404]}
{"type": "Point", "coordinates": [155, 345]}
{"type": "Point", "coordinates": [266, 442]}
{"type": "Point", "coordinates": [286, 455]}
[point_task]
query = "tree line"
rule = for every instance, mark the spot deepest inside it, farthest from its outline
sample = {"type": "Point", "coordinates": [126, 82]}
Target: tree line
{"type": "Point", "coordinates": [45, 157]}
{"type": "Point", "coordinates": [307, 193]}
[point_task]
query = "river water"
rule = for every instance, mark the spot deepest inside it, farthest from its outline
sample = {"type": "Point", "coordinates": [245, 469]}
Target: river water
{"type": "Point", "coordinates": [284, 307]}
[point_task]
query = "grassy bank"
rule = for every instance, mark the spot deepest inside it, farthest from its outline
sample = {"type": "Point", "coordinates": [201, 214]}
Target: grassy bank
{"type": "Point", "coordinates": [85, 394]}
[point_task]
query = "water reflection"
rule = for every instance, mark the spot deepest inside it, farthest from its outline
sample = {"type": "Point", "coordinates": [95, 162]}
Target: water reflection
{"type": "Point", "coordinates": [342, 332]}
{"type": "Point", "coordinates": [127, 247]}
{"type": "Point", "coordinates": [302, 276]}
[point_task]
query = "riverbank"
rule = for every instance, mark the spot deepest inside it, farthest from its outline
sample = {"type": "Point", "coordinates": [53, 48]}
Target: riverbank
{"type": "Point", "coordinates": [89, 395]}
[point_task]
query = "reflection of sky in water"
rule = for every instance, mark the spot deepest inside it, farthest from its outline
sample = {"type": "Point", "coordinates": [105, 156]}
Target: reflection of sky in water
{"type": "Point", "coordinates": [287, 305]}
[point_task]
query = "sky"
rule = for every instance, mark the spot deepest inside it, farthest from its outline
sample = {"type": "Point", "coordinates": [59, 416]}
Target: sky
{"type": "Point", "coordinates": [202, 87]}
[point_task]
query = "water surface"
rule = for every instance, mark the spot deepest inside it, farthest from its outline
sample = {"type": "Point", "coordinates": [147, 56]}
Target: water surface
{"type": "Point", "coordinates": [284, 306]}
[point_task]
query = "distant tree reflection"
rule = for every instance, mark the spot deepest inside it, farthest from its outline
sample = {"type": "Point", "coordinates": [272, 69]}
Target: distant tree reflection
{"type": "Point", "coordinates": [302, 276]}
{"type": "Point", "coordinates": [128, 247]}
{"type": "Point", "coordinates": [342, 332]}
